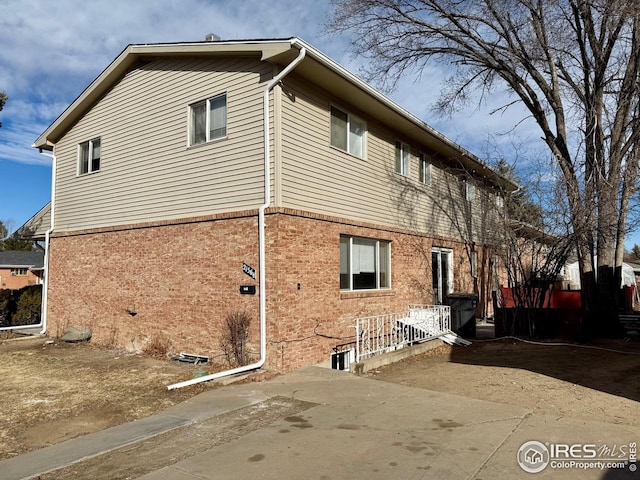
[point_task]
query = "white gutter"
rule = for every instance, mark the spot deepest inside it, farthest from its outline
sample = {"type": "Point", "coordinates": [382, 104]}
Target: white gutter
{"type": "Point", "coordinates": [261, 237]}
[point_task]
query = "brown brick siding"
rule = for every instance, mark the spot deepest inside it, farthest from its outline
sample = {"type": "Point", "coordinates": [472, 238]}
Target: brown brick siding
{"type": "Point", "coordinates": [182, 279]}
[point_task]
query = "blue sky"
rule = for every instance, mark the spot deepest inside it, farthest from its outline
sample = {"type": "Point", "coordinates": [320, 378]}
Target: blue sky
{"type": "Point", "coordinates": [51, 51]}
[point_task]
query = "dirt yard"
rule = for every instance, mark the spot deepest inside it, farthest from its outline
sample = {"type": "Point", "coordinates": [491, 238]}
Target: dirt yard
{"type": "Point", "coordinates": [577, 382]}
{"type": "Point", "coordinates": [54, 391]}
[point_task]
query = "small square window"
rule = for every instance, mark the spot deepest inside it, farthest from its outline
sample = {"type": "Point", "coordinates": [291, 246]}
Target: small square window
{"type": "Point", "coordinates": [208, 120]}
{"type": "Point", "coordinates": [89, 156]}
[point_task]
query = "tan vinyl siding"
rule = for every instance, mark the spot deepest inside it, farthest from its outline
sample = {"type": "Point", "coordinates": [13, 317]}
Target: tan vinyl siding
{"type": "Point", "coordinates": [319, 178]}
{"type": "Point", "coordinates": [147, 170]}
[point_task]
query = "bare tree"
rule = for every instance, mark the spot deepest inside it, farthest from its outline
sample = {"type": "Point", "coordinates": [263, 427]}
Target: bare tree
{"type": "Point", "coordinates": [3, 100]}
{"type": "Point", "coordinates": [574, 65]}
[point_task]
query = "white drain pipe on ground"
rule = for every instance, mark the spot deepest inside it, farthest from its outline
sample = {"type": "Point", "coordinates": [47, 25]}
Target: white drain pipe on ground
{"type": "Point", "coordinates": [261, 239]}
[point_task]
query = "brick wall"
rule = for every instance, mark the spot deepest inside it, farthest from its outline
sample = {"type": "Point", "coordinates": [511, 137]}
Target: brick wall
{"type": "Point", "coordinates": [183, 279]}
{"type": "Point", "coordinates": [307, 322]}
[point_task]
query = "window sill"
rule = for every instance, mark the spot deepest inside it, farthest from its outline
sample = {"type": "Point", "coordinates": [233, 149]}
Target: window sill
{"type": "Point", "coordinates": [338, 149]}
{"type": "Point", "coordinates": [208, 142]}
{"type": "Point", "coordinates": [346, 295]}
{"type": "Point", "coordinates": [87, 174]}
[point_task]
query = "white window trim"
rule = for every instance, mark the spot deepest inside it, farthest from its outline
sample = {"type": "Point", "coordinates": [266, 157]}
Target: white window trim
{"type": "Point", "coordinates": [449, 253]}
{"type": "Point", "coordinates": [499, 201]}
{"type": "Point", "coordinates": [364, 134]}
{"type": "Point", "coordinates": [423, 159]}
{"type": "Point", "coordinates": [405, 169]}
{"type": "Point", "coordinates": [469, 190]}
{"type": "Point", "coordinates": [378, 287]}
{"type": "Point", "coordinates": [207, 103]}
{"type": "Point", "coordinates": [89, 171]}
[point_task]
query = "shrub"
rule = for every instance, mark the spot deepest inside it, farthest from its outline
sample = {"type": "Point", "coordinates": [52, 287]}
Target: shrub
{"type": "Point", "coordinates": [158, 347]}
{"type": "Point", "coordinates": [7, 307]}
{"type": "Point", "coordinates": [234, 338]}
{"type": "Point", "coordinates": [28, 306]}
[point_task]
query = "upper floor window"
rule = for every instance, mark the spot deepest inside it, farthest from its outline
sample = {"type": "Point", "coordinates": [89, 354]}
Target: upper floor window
{"type": "Point", "coordinates": [470, 191]}
{"type": "Point", "coordinates": [402, 158]}
{"type": "Point", "coordinates": [348, 132]}
{"type": "Point", "coordinates": [425, 169]}
{"type": "Point", "coordinates": [208, 120]}
{"type": "Point", "coordinates": [89, 156]}
{"type": "Point", "coordinates": [365, 264]}
{"type": "Point", "coordinates": [499, 202]}
{"type": "Point", "coordinates": [19, 272]}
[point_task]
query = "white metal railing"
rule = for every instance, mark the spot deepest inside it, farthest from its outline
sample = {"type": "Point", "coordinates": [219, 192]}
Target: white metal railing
{"type": "Point", "coordinates": [384, 333]}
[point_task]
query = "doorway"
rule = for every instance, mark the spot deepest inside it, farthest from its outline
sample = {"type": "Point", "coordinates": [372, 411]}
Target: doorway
{"type": "Point", "coordinates": [441, 274]}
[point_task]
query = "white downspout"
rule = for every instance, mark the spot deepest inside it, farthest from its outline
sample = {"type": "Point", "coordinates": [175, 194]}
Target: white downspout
{"type": "Point", "coordinates": [261, 239]}
{"type": "Point", "coordinates": [47, 235]}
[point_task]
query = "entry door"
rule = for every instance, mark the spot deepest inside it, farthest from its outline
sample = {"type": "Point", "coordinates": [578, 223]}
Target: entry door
{"type": "Point", "coordinates": [441, 274]}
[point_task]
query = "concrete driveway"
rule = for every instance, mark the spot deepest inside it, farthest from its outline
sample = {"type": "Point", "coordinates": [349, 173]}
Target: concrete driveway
{"type": "Point", "coordinates": [350, 428]}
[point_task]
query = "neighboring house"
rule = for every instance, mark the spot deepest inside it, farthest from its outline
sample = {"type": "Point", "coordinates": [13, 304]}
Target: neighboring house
{"type": "Point", "coordinates": [36, 227]}
{"type": "Point", "coordinates": [20, 269]}
{"type": "Point", "coordinates": [159, 202]}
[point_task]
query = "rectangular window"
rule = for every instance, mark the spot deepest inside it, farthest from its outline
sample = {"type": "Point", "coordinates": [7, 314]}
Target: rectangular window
{"type": "Point", "coordinates": [499, 202]}
{"type": "Point", "coordinates": [89, 156]}
{"type": "Point", "coordinates": [208, 120]}
{"type": "Point", "coordinates": [348, 132]}
{"type": "Point", "coordinates": [425, 170]}
{"type": "Point", "coordinates": [470, 191]}
{"type": "Point", "coordinates": [365, 264]}
{"type": "Point", "coordinates": [21, 272]}
{"type": "Point", "coordinates": [402, 158]}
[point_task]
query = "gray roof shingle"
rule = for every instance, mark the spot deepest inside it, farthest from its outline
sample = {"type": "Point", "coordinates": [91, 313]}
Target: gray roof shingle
{"type": "Point", "coordinates": [21, 259]}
